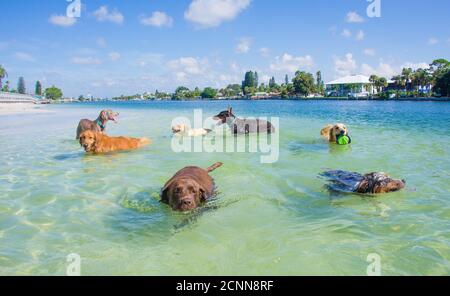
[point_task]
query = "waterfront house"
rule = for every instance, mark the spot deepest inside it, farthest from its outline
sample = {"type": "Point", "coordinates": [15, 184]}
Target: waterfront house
{"type": "Point", "coordinates": [350, 86]}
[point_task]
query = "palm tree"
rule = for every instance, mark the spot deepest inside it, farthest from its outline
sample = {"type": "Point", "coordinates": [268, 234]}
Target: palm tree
{"type": "Point", "coordinates": [373, 79]}
{"type": "Point", "coordinates": [399, 80]}
{"type": "Point", "coordinates": [407, 74]}
{"type": "Point", "coordinates": [3, 74]}
{"type": "Point", "coordinates": [420, 78]}
{"type": "Point", "coordinates": [381, 83]}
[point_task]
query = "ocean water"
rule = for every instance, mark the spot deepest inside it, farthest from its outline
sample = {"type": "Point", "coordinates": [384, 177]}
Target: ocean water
{"type": "Point", "coordinates": [268, 219]}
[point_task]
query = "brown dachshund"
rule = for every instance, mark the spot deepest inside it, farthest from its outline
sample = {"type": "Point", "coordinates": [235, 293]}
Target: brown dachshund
{"type": "Point", "coordinates": [189, 188]}
{"type": "Point", "coordinates": [330, 132]}
{"type": "Point", "coordinates": [96, 142]}
{"type": "Point", "coordinates": [98, 125]}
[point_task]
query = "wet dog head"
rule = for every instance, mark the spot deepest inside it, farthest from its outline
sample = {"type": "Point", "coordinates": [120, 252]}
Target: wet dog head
{"type": "Point", "coordinates": [180, 128]}
{"type": "Point", "coordinates": [107, 115]}
{"type": "Point", "coordinates": [223, 116]}
{"type": "Point", "coordinates": [379, 183]}
{"type": "Point", "coordinates": [338, 129]}
{"type": "Point", "coordinates": [88, 140]}
{"type": "Point", "coordinates": [183, 195]}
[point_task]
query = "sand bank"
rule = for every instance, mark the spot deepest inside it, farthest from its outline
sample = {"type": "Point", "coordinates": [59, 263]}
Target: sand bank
{"type": "Point", "coordinates": [16, 108]}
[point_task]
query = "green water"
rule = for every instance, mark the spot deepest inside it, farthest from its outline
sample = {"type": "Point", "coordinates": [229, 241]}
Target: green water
{"type": "Point", "coordinates": [269, 219]}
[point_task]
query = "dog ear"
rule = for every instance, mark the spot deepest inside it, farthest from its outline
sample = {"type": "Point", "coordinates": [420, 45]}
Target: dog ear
{"type": "Point", "coordinates": [203, 196]}
{"type": "Point", "coordinates": [164, 191]}
{"type": "Point", "coordinates": [104, 115]}
{"type": "Point", "coordinates": [363, 186]}
{"type": "Point", "coordinates": [332, 134]}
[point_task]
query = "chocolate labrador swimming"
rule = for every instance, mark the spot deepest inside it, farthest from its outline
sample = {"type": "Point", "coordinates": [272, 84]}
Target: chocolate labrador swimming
{"type": "Point", "coordinates": [97, 125]}
{"type": "Point", "coordinates": [189, 188]}
{"type": "Point", "coordinates": [244, 126]}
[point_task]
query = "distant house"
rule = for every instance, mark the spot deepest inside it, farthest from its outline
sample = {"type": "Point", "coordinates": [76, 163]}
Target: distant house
{"type": "Point", "coordinates": [260, 95]}
{"type": "Point", "coordinates": [353, 85]}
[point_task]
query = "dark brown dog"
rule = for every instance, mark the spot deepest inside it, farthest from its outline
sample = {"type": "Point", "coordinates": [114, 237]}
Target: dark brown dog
{"type": "Point", "coordinates": [96, 142]}
{"type": "Point", "coordinates": [98, 125]}
{"type": "Point", "coordinates": [373, 183]}
{"type": "Point", "coordinates": [189, 188]}
{"type": "Point", "coordinates": [244, 126]}
{"type": "Point", "coordinates": [377, 183]}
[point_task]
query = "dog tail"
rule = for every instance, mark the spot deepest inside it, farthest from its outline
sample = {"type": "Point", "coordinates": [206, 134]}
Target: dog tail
{"type": "Point", "coordinates": [144, 141]}
{"type": "Point", "coordinates": [214, 166]}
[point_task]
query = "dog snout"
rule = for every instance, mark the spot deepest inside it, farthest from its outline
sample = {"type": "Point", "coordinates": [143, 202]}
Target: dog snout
{"type": "Point", "coordinates": [343, 132]}
{"type": "Point", "coordinates": [186, 204]}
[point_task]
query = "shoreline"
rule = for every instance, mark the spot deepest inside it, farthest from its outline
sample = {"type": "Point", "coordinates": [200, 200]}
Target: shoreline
{"type": "Point", "coordinates": [431, 99]}
{"type": "Point", "coordinates": [21, 108]}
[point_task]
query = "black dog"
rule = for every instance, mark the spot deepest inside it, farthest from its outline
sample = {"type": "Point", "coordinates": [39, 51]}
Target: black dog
{"type": "Point", "coordinates": [244, 126]}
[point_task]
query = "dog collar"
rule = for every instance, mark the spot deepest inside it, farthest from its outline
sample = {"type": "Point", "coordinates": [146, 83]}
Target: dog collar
{"type": "Point", "coordinates": [100, 124]}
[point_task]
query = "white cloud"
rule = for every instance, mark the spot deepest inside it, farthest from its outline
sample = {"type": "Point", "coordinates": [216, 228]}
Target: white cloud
{"type": "Point", "coordinates": [85, 61]}
{"type": "Point", "coordinates": [346, 33]}
{"type": "Point", "coordinates": [370, 52]}
{"type": "Point", "coordinates": [25, 57]}
{"type": "Point", "coordinates": [360, 35]}
{"type": "Point", "coordinates": [211, 13]}
{"type": "Point", "coordinates": [353, 17]}
{"type": "Point", "coordinates": [62, 20]}
{"type": "Point", "coordinates": [383, 70]}
{"type": "Point", "coordinates": [114, 56]}
{"type": "Point", "coordinates": [291, 63]}
{"type": "Point", "coordinates": [104, 15]}
{"type": "Point", "coordinates": [433, 41]}
{"type": "Point", "coordinates": [345, 66]}
{"type": "Point", "coordinates": [244, 45]}
{"type": "Point", "coordinates": [158, 19]}
{"type": "Point", "coordinates": [188, 65]}
{"type": "Point", "coordinates": [102, 42]}
{"type": "Point", "coordinates": [264, 51]}
{"type": "Point", "coordinates": [415, 66]}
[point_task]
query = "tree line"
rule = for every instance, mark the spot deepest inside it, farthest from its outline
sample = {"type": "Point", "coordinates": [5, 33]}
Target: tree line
{"type": "Point", "coordinates": [50, 93]}
{"type": "Point", "coordinates": [303, 84]}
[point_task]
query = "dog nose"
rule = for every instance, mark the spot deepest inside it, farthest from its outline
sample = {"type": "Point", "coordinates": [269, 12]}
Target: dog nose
{"type": "Point", "coordinates": [342, 132]}
{"type": "Point", "coordinates": [186, 202]}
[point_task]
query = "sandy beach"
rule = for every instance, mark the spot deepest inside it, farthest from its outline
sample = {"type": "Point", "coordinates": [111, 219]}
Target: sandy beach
{"type": "Point", "coordinates": [11, 109]}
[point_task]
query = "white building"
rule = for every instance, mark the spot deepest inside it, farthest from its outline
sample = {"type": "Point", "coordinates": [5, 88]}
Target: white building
{"type": "Point", "coordinates": [7, 97]}
{"type": "Point", "coordinates": [353, 85]}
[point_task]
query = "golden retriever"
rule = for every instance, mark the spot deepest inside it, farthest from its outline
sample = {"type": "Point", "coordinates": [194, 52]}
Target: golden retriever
{"type": "Point", "coordinates": [184, 130]}
{"type": "Point", "coordinates": [330, 132]}
{"type": "Point", "coordinates": [96, 142]}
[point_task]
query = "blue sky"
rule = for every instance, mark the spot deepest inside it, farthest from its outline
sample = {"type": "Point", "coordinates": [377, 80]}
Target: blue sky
{"type": "Point", "coordinates": [126, 47]}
